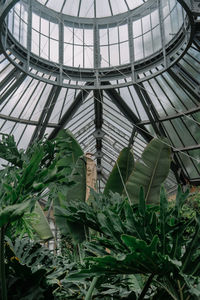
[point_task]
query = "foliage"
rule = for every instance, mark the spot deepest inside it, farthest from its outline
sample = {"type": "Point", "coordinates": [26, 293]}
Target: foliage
{"type": "Point", "coordinates": [73, 185]}
{"type": "Point", "coordinates": [120, 173]}
{"type": "Point", "coordinates": [32, 270]}
{"type": "Point", "coordinates": [27, 180]}
{"type": "Point", "coordinates": [72, 191]}
{"type": "Point", "coordinates": [40, 224]}
{"type": "Point", "coordinates": [142, 239]}
{"type": "Point", "coordinates": [135, 250]}
{"type": "Point", "coordinates": [150, 172]}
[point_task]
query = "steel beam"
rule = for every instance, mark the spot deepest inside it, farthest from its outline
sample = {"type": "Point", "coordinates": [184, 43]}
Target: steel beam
{"type": "Point", "coordinates": [70, 112]}
{"type": "Point", "coordinates": [13, 87]}
{"type": "Point", "coordinates": [148, 107]}
{"type": "Point", "coordinates": [159, 130]}
{"type": "Point", "coordinates": [49, 111]}
{"type": "Point", "coordinates": [45, 115]}
{"type": "Point", "coordinates": [187, 148]}
{"type": "Point", "coordinates": [181, 76]}
{"type": "Point", "coordinates": [128, 113]}
{"type": "Point", "coordinates": [121, 104]}
{"type": "Point", "coordinates": [98, 97]}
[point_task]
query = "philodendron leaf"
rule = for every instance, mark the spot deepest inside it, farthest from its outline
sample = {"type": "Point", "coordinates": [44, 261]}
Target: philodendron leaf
{"type": "Point", "coordinates": [13, 212]}
{"type": "Point", "coordinates": [120, 172]}
{"type": "Point", "coordinates": [142, 259]}
{"type": "Point", "coordinates": [150, 172]}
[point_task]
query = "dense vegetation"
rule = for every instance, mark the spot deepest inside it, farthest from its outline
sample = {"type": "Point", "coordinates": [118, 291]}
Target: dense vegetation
{"type": "Point", "coordinates": [128, 243]}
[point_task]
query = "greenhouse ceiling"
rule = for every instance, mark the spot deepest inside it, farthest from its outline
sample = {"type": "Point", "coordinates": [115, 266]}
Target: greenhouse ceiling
{"type": "Point", "coordinates": [114, 72]}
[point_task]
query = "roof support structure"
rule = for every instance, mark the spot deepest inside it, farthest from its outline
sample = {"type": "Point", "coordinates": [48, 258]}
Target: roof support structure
{"type": "Point", "coordinates": [148, 107]}
{"type": "Point", "coordinates": [159, 130]}
{"type": "Point", "coordinates": [98, 134]}
{"type": "Point", "coordinates": [46, 114]}
{"type": "Point", "coordinates": [185, 80]}
{"type": "Point", "coordinates": [49, 111]}
{"type": "Point", "coordinates": [141, 129]}
{"type": "Point", "coordinates": [13, 87]}
{"type": "Point", "coordinates": [82, 95]}
{"type": "Point", "coordinates": [131, 140]}
{"type": "Point", "coordinates": [129, 114]}
{"type": "Point", "coordinates": [9, 78]}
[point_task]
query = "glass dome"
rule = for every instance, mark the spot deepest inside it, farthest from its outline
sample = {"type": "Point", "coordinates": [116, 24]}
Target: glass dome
{"type": "Point", "coordinates": [114, 77]}
{"type": "Point", "coordinates": [70, 45]}
{"type": "Point", "coordinates": [91, 8]}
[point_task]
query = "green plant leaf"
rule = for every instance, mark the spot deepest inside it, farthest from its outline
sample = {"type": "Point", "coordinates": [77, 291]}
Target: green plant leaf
{"type": "Point", "coordinates": [29, 171]}
{"type": "Point", "coordinates": [9, 151]}
{"type": "Point", "coordinates": [150, 172]}
{"type": "Point", "coordinates": [68, 150]}
{"type": "Point", "coordinates": [143, 258]}
{"type": "Point", "coordinates": [13, 212]}
{"type": "Point", "coordinates": [40, 224]}
{"type": "Point", "coordinates": [163, 218]}
{"type": "Point", "coordinates": [74, 193]}
{"type": "Point", "coordinates": [125, 164]}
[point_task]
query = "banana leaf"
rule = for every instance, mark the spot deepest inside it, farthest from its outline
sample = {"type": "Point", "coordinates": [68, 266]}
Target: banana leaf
{"type": "Point", "coordinates": [68, 150]}
{"type": "Point", "coordinates": [40, 224]}
{"type": "Point", "coordinates": [150, 172]}
{"type": "Point", "coordinates": [125, 164]}
{"type": "Point", "coordinates": [73, 193]}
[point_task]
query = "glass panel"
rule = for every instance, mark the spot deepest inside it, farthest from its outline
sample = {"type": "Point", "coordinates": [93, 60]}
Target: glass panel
{"type": "Point", "coordinates": [146, 25]}
{"type": "Point", "coordinates": [88, 57]}
{"type": "Point", "coordinates": [102, 9]}
{"type": "Point", "coordinates": [138, 48]}
{"type": "Point", "coordinates": [87, 10]}
{"type": "Point", "coordinates": [35, 42]}
{"type": "Point", "coordinates": [137, 28]}
{"type": "Point", "coordinates": [54, 50]}
{"type": "Point", "coordinates": [118, 6]}
{"type": "Point", "coordinates": [44, 27]}
{"type": "Point", "coordinates": [44, 46]}
{"type": "Point", "coordinates": [68, 54]}
{"type": "Point", "coordinates": [123, 33]}
{"type": "Point", "coordinates": [78, 56]}
{"type": "Point", "coordinates": [124, 53]}
{"type": "Point", "coordinates": [114, 55]}
{"type": "Point", "coordinates": [148, 48]}
{"type": "Point", "coordinates": [104, 56]}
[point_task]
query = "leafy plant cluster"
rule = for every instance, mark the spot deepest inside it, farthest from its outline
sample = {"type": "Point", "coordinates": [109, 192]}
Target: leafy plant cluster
{"type": "Point", "coordinates": [127, 243]}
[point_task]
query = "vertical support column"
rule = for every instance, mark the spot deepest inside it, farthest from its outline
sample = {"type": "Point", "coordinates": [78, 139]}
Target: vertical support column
{"type": "Point", "coordinates": [131, 48]}
{"type": "Point", "coordinates": [131, 140]}
{"type": "Point", "coordinates": [96, 54]}
{"type": "Point", "coordinates": [29, 34]}
{"type": "Point", "coordinates": [61, 49]}
{"type": "Point", "coordinates": [6, 33]}
{"type": "Point", "coordinates": [98, 134]}
{"type": "Point", "coordinates": [162, 31]}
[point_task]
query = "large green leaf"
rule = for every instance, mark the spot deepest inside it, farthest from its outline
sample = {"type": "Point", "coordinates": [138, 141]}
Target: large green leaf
{"type": "Point", "coordinates": [120, 172]}
{"type": "Point", "coordinates": [142, 258]}
{"type": "Point", "coordinates": [9, 151]}
{"type": "Point", "coordinates": [73, 193]}
{"type": "Point", "coordinates": [68, 150]}
{"type": "Point", "coordinates": [40, 224]}
{"type": "Point", "coordinates": [150, 172]}
{"type": "Point", "coordinates": [13, 212]}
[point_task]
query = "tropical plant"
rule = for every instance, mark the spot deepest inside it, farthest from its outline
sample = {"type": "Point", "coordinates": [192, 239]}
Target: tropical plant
{"type": "Point", "coordinates": [117, 245]}
{"type": "Point", "coordinates": [26, 180]}
{"type": "Point", "coordinates": [120, 172]}
{"type": "Point", "coordinates": [147, 240]}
